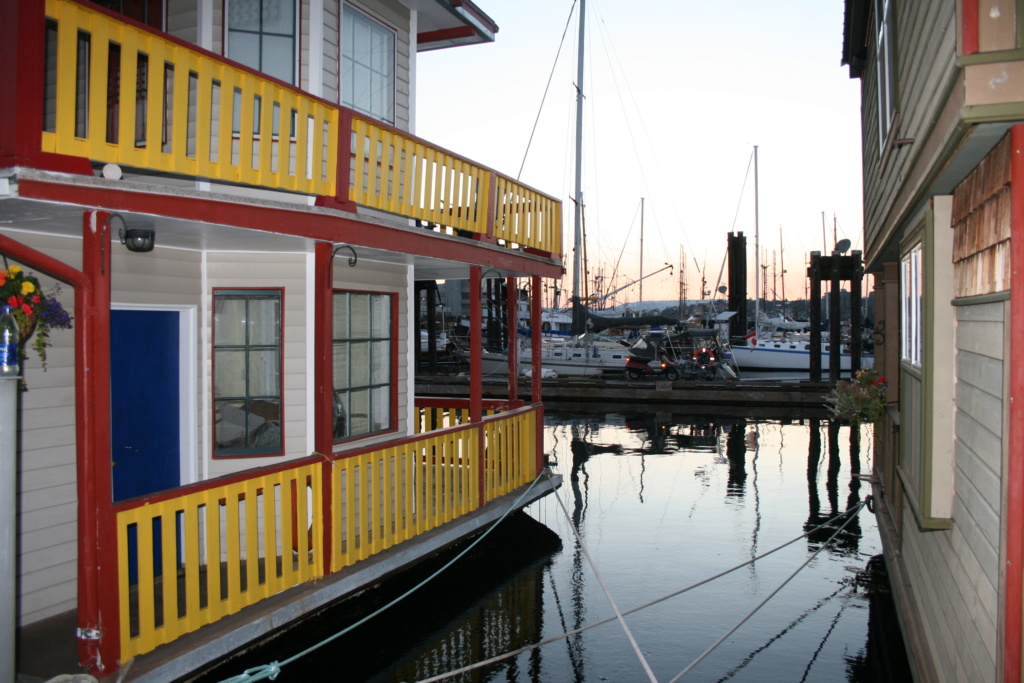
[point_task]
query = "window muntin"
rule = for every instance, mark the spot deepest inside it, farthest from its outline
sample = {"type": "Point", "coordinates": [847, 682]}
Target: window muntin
{"type": "Point", "coordinates": [368, 66]}
{"type": "Point", "coordinates": [885, 58]}
{"type": "Point", "coordinates": [247, 352]}
{"type": "Point", "coordinates": [363, 342]}
{"type": "Point", "coordinates": [911, 307]}
{"type": "Point", "coordinates": [261, 35]}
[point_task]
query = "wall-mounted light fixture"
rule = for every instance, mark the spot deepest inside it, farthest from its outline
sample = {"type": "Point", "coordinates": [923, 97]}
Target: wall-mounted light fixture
{"type": "Point", "coordinates": [137, 239]}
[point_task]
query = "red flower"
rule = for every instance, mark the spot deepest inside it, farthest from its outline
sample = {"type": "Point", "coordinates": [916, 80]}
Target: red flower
{"type": "Point", "coordinates": [36, 299]}
{"type": "Point", "coordinates": [26, 309]}
{"type": "Point", "coordinates": [13, 302]}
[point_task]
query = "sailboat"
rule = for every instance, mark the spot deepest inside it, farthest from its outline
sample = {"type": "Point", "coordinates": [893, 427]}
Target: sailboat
{"type": "Point", "coordinates": [771, 350]}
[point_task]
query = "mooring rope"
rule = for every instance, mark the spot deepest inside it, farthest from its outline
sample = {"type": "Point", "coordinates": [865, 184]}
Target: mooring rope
{"type": "Point", "coordinates": [857, 509]}
{"type": "Point", "coordinates": [271, 670]}
{"type": "Point", "coordinates": [607, 594]}
{"type": "Point", "coordinates": [568, 634]}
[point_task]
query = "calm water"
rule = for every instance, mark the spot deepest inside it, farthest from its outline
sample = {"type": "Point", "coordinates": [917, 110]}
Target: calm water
{"type": "Point", "coordinates": [661, 502]}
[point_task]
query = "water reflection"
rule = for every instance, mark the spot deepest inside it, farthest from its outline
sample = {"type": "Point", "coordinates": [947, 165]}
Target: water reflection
{"type": "Point", "coordinates": [662, 501]}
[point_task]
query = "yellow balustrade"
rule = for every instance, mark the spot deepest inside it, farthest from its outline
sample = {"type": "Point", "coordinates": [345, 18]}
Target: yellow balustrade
{"type": "Point", "coordinates": [400, 174]}
{"type": "Point", "coordinates": [527, 217]}
{"type": "Point", "coordinates": [386, 496]}
{"type": "Point", "coordinates": [190, 560]}
{"type": "Point", "coordinates": [179, 110]}
{"type": "Point", "coordinates": [510, 458]}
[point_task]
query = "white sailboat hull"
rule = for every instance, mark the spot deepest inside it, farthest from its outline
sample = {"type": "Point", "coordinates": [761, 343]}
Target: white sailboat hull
{"type": "Point", "coordinates": [566, 361]}
{"type": "Point", "coordinates": [789, 356]}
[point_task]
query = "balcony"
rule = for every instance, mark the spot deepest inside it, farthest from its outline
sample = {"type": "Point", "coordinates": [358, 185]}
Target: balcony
{"type": "Point", "coordinates": [116, 92]}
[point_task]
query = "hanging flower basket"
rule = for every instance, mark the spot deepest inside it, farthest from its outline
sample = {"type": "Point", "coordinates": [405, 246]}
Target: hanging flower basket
{"type": "Point", "coordinates": [37, 312]}
{"type": "Point", "coordinates": [861, 399]}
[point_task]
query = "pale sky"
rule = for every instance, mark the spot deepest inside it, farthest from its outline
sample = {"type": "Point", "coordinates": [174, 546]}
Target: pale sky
{"type": "Point", "coordinates": [678, 92]}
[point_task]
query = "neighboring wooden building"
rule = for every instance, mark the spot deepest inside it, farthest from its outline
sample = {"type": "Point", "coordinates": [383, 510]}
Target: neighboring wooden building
{"type": "Point", "coordinates": [943, 164]}
{"type": "Point", "coordinates": [242, 394]}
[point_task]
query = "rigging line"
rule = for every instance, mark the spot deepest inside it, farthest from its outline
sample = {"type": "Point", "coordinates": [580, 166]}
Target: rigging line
{"type": "Point", "coordinates": [272, 670]}
{"type": "Point", "coordinates": [547, 87]}
{"type": "Point", "coordinates": [821, 645]}
{"type": "Point", "coordinates": [611, 600]}
{"type": "Point", "coordinates": [569, 634]}
{"type": "Point", "coordinates": [768, 597]}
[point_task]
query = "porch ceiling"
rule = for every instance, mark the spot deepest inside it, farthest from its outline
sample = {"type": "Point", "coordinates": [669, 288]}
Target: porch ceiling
{"type": "Point", "coordinates": [64, 219]}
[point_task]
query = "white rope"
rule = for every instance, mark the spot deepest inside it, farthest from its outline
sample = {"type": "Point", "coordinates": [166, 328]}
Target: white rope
{"type": "Point", "coordinates": [272, 669]}
{"type": "Point", "coordinates": [568, 634]}
{"type": "Point", "coordinates": [769, 597]}
{"type": "Point", "coordinates": [611, 600]}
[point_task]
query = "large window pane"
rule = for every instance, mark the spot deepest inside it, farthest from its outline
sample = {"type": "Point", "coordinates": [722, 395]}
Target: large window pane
{"type": "Point", "coordinates": [363, 389]}
{"type": "Point", "coordinates": [368, 58]}
{"type": "Point", "coordinates": [247, 372]}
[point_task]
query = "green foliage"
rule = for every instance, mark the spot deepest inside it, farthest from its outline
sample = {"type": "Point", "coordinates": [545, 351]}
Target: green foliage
{"type": "Point", "coordinates": [861, 399]}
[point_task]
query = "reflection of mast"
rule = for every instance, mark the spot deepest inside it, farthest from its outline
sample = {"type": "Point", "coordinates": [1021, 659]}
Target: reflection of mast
{"type": "Point", "coordinates": [736, 452]}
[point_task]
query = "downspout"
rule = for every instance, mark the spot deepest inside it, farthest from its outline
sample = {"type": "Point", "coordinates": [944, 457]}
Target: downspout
{"type": "Point", "coordinates": [1015, 467]}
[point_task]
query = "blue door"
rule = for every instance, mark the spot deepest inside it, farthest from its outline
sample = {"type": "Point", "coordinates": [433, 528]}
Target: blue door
{"type": "Point", "coordinates": [144, 391]}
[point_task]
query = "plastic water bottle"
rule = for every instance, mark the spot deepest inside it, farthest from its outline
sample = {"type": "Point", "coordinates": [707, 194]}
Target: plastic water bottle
{"type": "Point", "coordinates": [10, 335]}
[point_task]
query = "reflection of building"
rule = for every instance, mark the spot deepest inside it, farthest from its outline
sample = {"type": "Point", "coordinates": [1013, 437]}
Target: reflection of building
{"type": "Point", "coordinates": [238, 390]}
{"type": "Point", "coordinates": [942, 87]}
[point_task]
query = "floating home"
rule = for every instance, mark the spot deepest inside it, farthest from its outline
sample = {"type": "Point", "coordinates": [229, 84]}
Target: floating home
{"type": "Point", "coordinates": [235, 206]}
{"type": "Point", "coordinates": [942, 126]}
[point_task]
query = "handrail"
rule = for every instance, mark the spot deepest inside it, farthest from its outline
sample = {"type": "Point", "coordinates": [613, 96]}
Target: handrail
{"type": "Point", "coordinates": [144, 110]}
{"type": "Point", "coordinates": [123, 93]}
{"type": "Point", "coordinates": [235, 540]}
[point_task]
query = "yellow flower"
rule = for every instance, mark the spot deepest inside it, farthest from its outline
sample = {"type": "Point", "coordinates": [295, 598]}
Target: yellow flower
{"type": "Point", "coordinates": [14, 270]}
{"type": "Point", "coordinates": [27, 288]}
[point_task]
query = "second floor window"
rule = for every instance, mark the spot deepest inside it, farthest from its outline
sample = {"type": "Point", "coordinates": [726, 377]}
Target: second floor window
{"type": "Point", "coordinates": [247, 372]}
{"type": "Point", "coordinates": [368, 66]}
{"type": "Point", "coordinates": [261, 35]}
{"type": "Point", "coordinates": [363, 346]}
{"type": "Point", "coordinates": [885, 58]}
{"type": "Point", "coordinates": [911, 310]}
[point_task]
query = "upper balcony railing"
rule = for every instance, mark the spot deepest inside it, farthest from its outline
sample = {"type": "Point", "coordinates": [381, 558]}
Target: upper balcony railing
{"type": "Point", "coordinates": [118, 92]}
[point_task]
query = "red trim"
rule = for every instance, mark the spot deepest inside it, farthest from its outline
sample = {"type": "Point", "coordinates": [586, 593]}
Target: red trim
{"type": "Point", "coordinates": [213, 374]}
{"type": "Point", "coordinates": [476, 387]}
{"type": "Point", "coordinates": [512, 334]}
{"type": "Point", "coordinates": [971, 36]}
{"type": "Point", "coordinates": [323, 384]}
{"type": "Point", "coordinates": [535, 338]}
{"type": "Point", "coordinates": [98, 571]}
{"type": "Point", "coordinates": [1015, 467]}
{"type": "Point", "coordinates": [340, 200]}
{"type": "Point", "coordinates": [477, 13]}
{"type": "Point", "coordinates": [454, 33]}
{"type": "Point", "coordinates": [314, 226]}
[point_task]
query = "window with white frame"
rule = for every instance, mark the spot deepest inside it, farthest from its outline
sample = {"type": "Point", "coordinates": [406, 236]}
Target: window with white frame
{"type": "Point", "coordinates": [911, 308]}
{"type": "Point", "coordinates": [247, 351]}
{"type": "Point", "coordinates": [261, 35]}
{"type": "Point", "coordinates": [363, 334]}
{"type": "Point", "coordinates": [367, 66]}
{"type": "Point", "coordinates": [885, 58]}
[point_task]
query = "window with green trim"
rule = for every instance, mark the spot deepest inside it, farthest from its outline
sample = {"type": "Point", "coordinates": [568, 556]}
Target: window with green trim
{"type": "Point", "coordinates": [363, 342]}
{"type": "Point", "coordinates": [247, 352]}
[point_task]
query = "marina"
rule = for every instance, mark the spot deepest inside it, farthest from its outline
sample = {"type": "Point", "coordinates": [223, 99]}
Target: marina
{"type": "Point", "coordinates": [662, 501]}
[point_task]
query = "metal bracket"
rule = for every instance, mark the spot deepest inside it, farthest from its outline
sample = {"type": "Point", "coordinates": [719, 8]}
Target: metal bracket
{"type": "Point", "coordinates": [88, 633]}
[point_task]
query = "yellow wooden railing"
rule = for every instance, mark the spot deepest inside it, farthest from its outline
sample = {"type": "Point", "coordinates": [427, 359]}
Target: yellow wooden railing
{"type": "Point", "coordinates": [398, 173]}
{"type": "Point", "coordinates": [510, 458]}
{"type": "Point", "coordinates": [193, 114]}
{"type": "Point", "coordinates": [386, 496]}
{"type": "Point", "coordinates": [527, 217]}
{"type": "Point", "coordinates": [190, 560]}
{"type": "Point", "coordinates": [126, 95]}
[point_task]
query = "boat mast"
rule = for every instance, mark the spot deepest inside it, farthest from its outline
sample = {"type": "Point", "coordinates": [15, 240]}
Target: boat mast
{"type": "Point", "coordinates": [640, 306]}
{"type": "Point", "coordinates": [578, 233]}
{"type": "Point", "coordinates": [757, 253]}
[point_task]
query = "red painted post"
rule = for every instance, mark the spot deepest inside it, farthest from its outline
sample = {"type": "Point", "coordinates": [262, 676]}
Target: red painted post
{"type": "Point", "coordinates": [512, 318]}
{"type": "Point", "coordinates": [970, 37]}
{"type": "Point", "coordinates": [343, 173]}
{"type": "Point", "coordinates": [536, 384]}
{"type": "Point", "coordinates": [97, 561]}
{"type": "Point", "coordinates": [1015, 467]}
{"type": "Point", "coordinates": [476, 386]}
{"type": "Point", "coordinates": [323, 384]}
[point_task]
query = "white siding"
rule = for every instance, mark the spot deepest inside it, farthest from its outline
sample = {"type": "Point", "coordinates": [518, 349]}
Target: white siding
{"type": "Point", "coordinates": [182, 20]}
{"type": "Point", "coordinates": [332, 50]}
